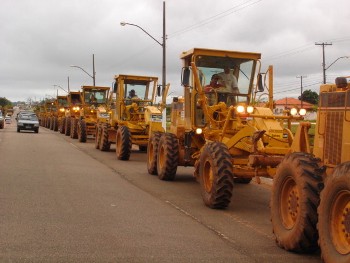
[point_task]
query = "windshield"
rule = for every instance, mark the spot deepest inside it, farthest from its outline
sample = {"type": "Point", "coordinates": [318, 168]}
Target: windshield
{"type": "Point", "coordinates": [136, 90]}
{"type": "Point", "coordinates": [235, 71]}
{"type": "Point", "coordinates": [63, 102]}
{"type": "Point", "coordinates": [95, 96]}
{"type": "Point", "coordinates": [31, 117]}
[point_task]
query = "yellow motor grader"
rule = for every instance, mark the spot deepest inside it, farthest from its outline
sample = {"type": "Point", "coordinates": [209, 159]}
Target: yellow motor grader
{"type": "Point", "coordinates": [222, 131]}
{"type": "Point", "coordinates": [49, 109]}
{"type": "Point", "coordinates": [310, 202]}
{"type": "Point", "coordinates": [72, 114]}
{"type": "Point", "coordinates": [58, 113]}
{"type": "Point", "coordinates": [134, 115]}
{"type": "Point", "coordinates": [94, 104]}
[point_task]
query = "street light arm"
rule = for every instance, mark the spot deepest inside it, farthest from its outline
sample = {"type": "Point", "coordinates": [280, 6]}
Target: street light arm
{"type": "Point", "coordinates": [73, 66]}
{"type": "Point", "coordinates": [60, 87]}
{"type": "Point", "coordinates": [124, 24]}
{"type": "Point", "coordinates": [336, 61]}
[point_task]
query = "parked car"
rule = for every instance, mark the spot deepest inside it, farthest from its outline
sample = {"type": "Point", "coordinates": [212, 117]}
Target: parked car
{"type": "Point", "coordinates": [8, 119]}
{"type": "Point", "coordinates": [2, 121]}
{"type": "Point", "coordinates": [27, 122]}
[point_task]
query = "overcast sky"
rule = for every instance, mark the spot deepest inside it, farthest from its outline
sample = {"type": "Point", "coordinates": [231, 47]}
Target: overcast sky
{"type": "Point", "coordinates": [40, 39]}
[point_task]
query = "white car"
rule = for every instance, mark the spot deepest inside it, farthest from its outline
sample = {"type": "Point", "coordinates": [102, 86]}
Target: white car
{"type": "Point", "coordinates": [27, 122]}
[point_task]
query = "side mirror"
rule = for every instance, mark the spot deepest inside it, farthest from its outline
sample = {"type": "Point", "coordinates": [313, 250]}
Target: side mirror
{"type": "Point", "coordinates": [158, 90]}
{"type": "Point", "coordinates": [260, 83]}
{"type": "Point", "coordinates": [185, 76]}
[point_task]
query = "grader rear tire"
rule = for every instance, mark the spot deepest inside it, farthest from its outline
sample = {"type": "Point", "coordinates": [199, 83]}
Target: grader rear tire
{"type": "Point", "coordinates": [68, 126]}
{"type": "Point", "coordinates": [105, 145]}
{"type": "Point", "coordinates": [55, 124]}
{"type": "Point", "coordinates": [167, 158]}
{"type": "Point", "coordinates": [123, 145]}
{"type": "Point", "coordinates": [152, 153]}
{"type": "Point", "coordinates": [294, 201]}
{"type": "Point", "coordinates": [97, 136]}
{"type": "Point", "coordinates": [216, 175]}
{"type": "Point", "coordinates": [334, 216]}
{"type": "Point", "coordinates": [61, 125]}
{"type": "Point", "coordinates": [81, 131]}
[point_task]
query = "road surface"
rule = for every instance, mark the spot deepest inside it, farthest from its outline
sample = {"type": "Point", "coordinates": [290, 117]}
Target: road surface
{"type": "Point", "coordinates": [65, 201]}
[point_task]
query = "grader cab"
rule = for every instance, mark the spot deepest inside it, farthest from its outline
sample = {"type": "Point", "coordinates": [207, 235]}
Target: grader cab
{"type": "Point", "coordinates": [310, 202]}
{"type": "Point", "coordinates": [134, 115]}
{"type": "Point", "coordinates": [221, 131]}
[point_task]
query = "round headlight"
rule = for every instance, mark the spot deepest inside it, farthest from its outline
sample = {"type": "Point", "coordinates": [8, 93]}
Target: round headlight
{"type": "Point", "coordinates": [240, 109]}
{"type": "Point", "coordinates": [199, 131]}
{"type": "Point", "coordinates": [302, 112]}
{"type": "Point", "coordinates": [294, 111]}
{"type": "Point", "coordinates": [250, 109]}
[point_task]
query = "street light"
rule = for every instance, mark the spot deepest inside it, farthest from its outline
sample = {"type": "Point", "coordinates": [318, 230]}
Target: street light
{"type": "Point", "coordinates": [161, 44]}
{"type": "Point", "coordinates": [93, 70]}
{"type": "Point", "coordinates": [60, 87]}
{"type": "Point", "coordinates": [324, 77]}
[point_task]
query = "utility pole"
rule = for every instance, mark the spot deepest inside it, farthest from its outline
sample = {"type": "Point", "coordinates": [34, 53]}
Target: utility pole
{"type": "Point", "coordinates": [323, 44]}
{"type": "Point", "coordinates": [301, 89]}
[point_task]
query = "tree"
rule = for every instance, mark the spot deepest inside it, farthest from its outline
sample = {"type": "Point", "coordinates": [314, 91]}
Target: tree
{"type": "Point", "coordinates": [309, 96]}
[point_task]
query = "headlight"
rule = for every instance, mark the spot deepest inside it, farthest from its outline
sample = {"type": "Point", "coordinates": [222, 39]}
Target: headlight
{"type": "Point", "coordinates": [199, 131]}
{"type": "Point", "coordinates": [293, 111]}
{"type": "Point", "coordinates": [302, 112]}
{"type": "Point", "coordinates": [250, 109]}
{"type": "Point", "coordinates": [61, 109]}
{"type": "Point", "coordinates": [240, 109]}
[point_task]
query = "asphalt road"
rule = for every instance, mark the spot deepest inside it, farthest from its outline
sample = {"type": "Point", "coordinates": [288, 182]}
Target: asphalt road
{"type": "Point", "coordinates": [65, 201]}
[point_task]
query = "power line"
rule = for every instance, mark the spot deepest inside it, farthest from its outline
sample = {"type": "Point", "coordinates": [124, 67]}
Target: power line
{"type": "Point", "coordinates": [215, 17]}
{"type": "Point", "coordinates": [323, 44]}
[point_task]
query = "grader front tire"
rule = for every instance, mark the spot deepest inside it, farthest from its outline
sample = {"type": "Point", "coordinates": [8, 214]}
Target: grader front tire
{"type": "Point", "coordinates": [152, 153]}
{"type": "Point", "coordinates": [97, 136]}
{"type": "Point", "coordinates": [123, 145]}
{"type": "Point", "coordinates": [105, 145]}
{"type": "Point", "coordinates": [216, 175]}
{"type": "Point", "coordinates": [294, 202]}
{"type": "Point", "coordinates": [167, 158]}
{"type": "Point", "coordinates": [81, 131]}
{"type": "Point", "coordinates": [67, 126]}
{"type": "Point", "coordinates": [334, 216]}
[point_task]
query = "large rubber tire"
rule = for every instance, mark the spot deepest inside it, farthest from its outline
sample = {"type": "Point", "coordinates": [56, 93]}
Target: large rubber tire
{"type": "Point", "coordinates": [334, 216]}
{"type": "Point", "coordinates": [62, 126]}
{"type": "Point", "coordinates": [294, 201]}
{"type": "Point", "coordinates": [216, 175]}
{"type": "Point", "coordinates": [123, 143]}
{"type": "Point", "coordinates": [51, 123]}
{"type": "Point", "coordinates": [68, 128]}
{"type": "Point", "coordinates": [105, 145]}
{"type": "Point", "coordinates": [74, 129]}
{"type": "Point", "coordinates": [81, 131]}
{"type": "Point", "coordinates": [97, 136]}
{"type": "Point", "coordinates": [152, 153]}
{"type": "Point", "coordinates": [168, 156]}
{"type": "Point", "coordinates": [55, 124]}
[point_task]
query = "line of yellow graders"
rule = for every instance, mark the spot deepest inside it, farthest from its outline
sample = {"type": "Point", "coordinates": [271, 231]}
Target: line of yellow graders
{"type": "Point", "coordinates": [229, 135]}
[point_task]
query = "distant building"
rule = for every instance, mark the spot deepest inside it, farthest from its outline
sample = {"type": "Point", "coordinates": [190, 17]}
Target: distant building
{"type": "Point", "coordinates": [289, 103]}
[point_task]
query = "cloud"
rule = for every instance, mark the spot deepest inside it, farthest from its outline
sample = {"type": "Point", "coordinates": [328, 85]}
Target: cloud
{"type": "Point", "coordinates": [41, 39]}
